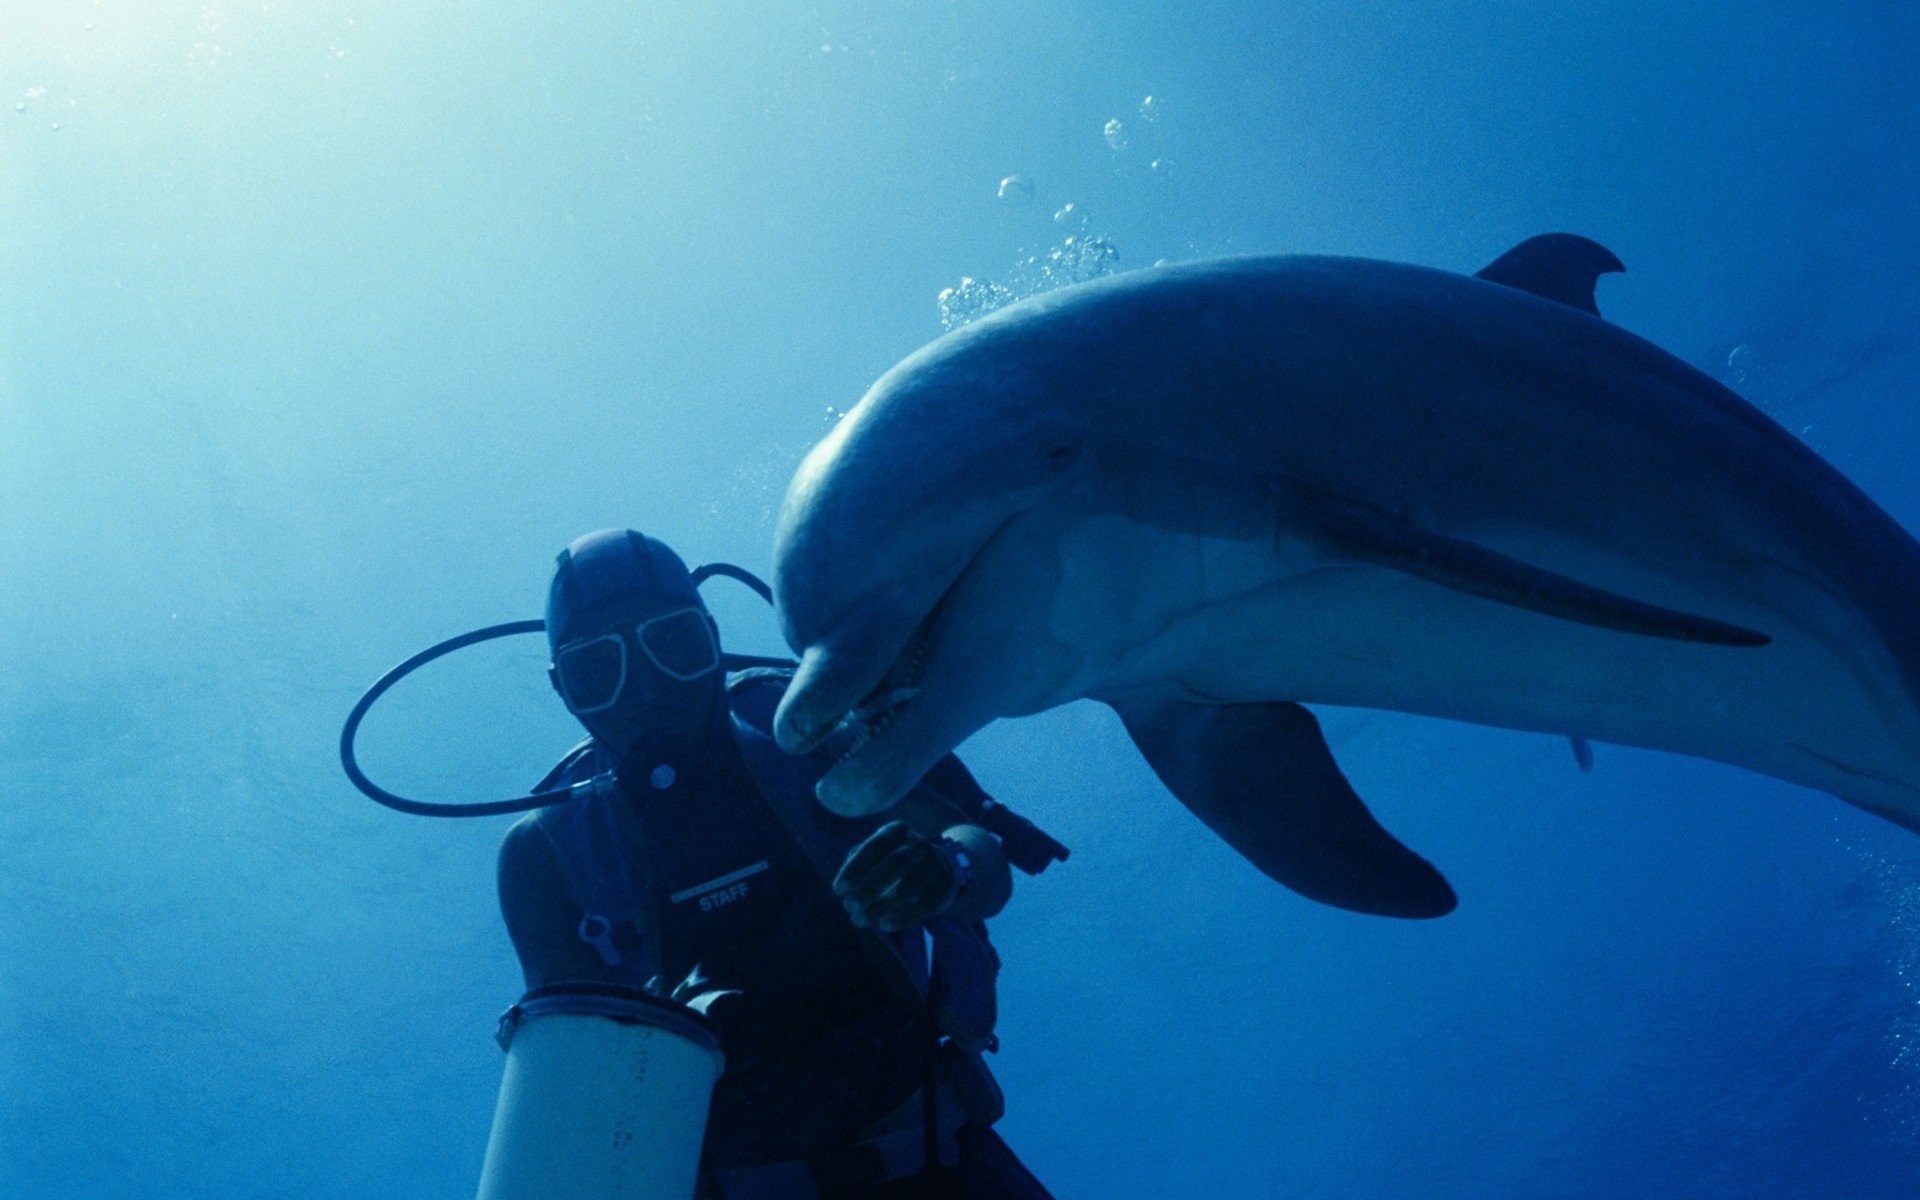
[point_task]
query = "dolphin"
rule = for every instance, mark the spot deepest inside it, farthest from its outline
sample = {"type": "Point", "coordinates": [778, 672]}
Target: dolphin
{"type": "Point", "coordinates": [1208, 493]}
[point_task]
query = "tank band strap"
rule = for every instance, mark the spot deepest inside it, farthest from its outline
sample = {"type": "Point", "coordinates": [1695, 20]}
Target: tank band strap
{"type": "Point", "coordinates": [614, 1003]}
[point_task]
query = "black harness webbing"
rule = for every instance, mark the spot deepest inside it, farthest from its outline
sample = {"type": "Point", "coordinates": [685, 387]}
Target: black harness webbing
{"type": "Point", "coordinates": [879, 952]}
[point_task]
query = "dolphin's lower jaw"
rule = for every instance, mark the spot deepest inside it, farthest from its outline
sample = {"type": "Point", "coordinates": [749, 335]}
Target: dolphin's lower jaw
{"type": "Point", "coordinates": [841, 791]}
{"type": "Point", "coordinates": [851, 733]}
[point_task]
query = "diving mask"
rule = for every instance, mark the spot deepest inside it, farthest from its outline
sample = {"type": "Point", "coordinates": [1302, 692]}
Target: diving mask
{"type": "Point", "coordinates": [591, 675]}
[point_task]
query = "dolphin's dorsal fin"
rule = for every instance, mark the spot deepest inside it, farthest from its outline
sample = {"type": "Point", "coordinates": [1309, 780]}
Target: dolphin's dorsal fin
{"type": "Point", "coordinates": [1261, 776]}
{"type": "Point", "coordinates": [1559, 266]}
{"type": "Point", "coordinates": [1356, 531]}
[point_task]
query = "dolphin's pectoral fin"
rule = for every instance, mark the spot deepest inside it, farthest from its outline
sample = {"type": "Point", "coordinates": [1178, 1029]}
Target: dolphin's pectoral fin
{"type": "Point", "coordinates": [1261, 776]}
{"type": "Point", "coordinates": [1376, 537]}
{"type": "Point", "coordinates": [1559, 266]}
{"type": "Point", "coordinates": [1582, 753]}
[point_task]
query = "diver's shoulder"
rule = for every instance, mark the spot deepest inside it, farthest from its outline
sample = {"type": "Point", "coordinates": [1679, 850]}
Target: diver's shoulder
{"type": "Point", "coordinates": [750, 679]}
{"type": "Point", "coordinates": [584, 761]}
{"type": "Point", "coordinates": [531, 833]}
{"type": "Point", "coordinates": [527, 857]}
{"type": "Point", "coordinates": [754, 693]}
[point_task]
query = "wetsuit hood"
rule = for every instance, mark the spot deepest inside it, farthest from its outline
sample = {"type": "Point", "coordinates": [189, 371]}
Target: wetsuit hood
{"type": "Point", "coordinates": [636, 654]}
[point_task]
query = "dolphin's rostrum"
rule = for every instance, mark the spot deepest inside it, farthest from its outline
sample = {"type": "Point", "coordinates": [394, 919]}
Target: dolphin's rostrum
{"type": "Point", "coordinates": [1208, 493]}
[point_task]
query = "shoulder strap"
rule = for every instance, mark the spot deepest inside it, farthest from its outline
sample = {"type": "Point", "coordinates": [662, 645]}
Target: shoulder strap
{"type": "Point", "coordinates": [569, 768]}
{"type": "Point", "coordinates": [961, 992]}
{"type": "Point", "coordinates": [777, 780]}
{"type": "Point", "coordinates": [951, 780]}
{"type": "Point", "coordinates": [603, 859]}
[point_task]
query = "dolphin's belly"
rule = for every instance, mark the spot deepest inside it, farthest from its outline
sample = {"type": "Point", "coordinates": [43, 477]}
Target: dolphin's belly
{"type": "Point", "coordinates": [1822, 704]}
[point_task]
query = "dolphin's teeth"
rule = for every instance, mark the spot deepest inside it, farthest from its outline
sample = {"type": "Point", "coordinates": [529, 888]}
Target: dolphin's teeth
{"type": "Point", "coordinates": [858, 735]}
{"type": "Point", "coordinates": [869, 720]}
{"type": "Point", "coordinates": [875, 707]}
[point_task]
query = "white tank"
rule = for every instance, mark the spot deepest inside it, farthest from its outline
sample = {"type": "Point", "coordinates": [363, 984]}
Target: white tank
{"type": "Point", "coordinates": [605, 1097]}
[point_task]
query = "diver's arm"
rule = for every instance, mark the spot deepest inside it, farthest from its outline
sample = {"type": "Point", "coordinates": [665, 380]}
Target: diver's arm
{"type": "Point", "coordinates": [990, 880]}
{"type": "Point", "coordinates": [961, 795]}
{"type": "Point", "coordinates": [928, 862]}
{"type": "Point", "coordinates": [991, 884]}
{"type": "Point", "coordinates": [541, 920]}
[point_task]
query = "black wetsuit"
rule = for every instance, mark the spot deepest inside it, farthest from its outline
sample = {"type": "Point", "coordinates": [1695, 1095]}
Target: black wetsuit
{"type": "Point", "coordinates": [829, 1045]}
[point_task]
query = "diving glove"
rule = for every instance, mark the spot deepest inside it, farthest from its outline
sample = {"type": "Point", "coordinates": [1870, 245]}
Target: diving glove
{"type": "Point", "coordinates": [900, 877]}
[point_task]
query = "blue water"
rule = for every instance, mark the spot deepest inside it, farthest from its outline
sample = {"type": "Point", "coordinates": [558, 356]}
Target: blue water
{"type": "Point", "coordinates": [324, 324]}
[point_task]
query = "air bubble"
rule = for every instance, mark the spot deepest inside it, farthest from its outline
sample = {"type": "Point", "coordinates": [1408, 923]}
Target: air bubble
{"type": "Point", "coordinates": [1016, 191]}
{"type": "Point", "coordinates": [1079, 259]}
{"type": "Point", "coordinates": [1116, 134]}
{"type": "Point", "coordinates": [970, 300]}
{"type": "Point", "coordinates": [1740, 363]}
{"type": "Point", "coordinates": [1149, 109]}
{"type": "Point", "coordinates": [19, 106]}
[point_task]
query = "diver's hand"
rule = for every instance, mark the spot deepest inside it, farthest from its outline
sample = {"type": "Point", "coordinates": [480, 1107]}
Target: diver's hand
{"type": "Point", "coordinates": [898, 878]}
{"type": "Point", "coordinates": [724, 1008]}
{"type": "Point", "coordinates": [697, 992]}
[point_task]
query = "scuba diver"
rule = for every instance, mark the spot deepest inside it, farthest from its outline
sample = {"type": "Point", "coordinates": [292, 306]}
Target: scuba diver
{"type": "Point", "coordinates": [842, 963]}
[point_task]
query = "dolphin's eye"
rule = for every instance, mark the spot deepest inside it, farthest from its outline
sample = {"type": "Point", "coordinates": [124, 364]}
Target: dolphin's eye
{"type": "Point", "coordinates": [1059, 457]}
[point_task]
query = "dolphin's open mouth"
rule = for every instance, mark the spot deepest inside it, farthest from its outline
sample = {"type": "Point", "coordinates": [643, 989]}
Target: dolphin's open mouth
{"type": "Point", "coordinates": [901, 687]}
{"type": "Point", "coordinates": [886, 702]}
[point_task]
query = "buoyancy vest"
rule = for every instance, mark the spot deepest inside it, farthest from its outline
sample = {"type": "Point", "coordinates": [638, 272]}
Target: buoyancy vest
{"type": "Point", "coordinates": [730, 876]}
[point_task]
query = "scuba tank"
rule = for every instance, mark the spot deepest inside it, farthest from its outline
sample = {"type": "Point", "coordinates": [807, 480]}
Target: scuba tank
{"type": "Point", "coordinates": [605, 1096]}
